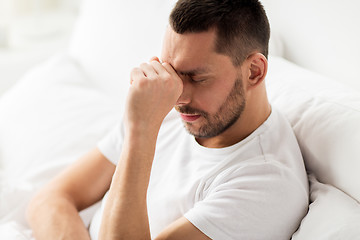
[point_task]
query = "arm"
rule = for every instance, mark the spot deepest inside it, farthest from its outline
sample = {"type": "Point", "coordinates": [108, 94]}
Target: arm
{"type": "Point", "coordinates": [53, 212]}
{"type": "Point", "coordinates": [154, 91]}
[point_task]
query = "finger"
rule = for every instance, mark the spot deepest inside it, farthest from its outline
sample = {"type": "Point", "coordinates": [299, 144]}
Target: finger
{"type": "Point", "coordinates": [149, 71]}
{"type": "Point", "coordinates": [159, 68]}
{"type": "Point", "coordinates": [154, 59]}
{"type": "Point", "coordinates": [136, 73]}
{"type": "Point", "coordinates": [169, 68]}
{"type": "Point", "coordinates": [173, 73]}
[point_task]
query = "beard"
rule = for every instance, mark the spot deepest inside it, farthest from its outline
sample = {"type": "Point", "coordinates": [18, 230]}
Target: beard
{"type": "Point", "coordinates": [228, 113]}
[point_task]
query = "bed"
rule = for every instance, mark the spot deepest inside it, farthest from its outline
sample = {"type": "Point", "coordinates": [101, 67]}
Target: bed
{"type": "Point", "coordinates": [61, 108]}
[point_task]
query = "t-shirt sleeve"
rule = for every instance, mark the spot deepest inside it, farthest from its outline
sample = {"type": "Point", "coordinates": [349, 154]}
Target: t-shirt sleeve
{"type": "Point", "coordinates": [110, 146]}
{"type": "Point", "coordinates": [260, 201]}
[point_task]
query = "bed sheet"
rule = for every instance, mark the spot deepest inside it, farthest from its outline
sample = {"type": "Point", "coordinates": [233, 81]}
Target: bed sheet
{"type": "Point", "coordinates": [50, 118]}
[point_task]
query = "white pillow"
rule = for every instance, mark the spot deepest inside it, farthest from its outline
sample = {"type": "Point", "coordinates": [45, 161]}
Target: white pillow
{"type": "Point", "coordinates": [332, 215]}
{"type": "Point", "coordinates": [325, 116]}
{"type": "Point", "coordinates": [111, 37]}
{"type": "Point", "coordinates": [48, 120]}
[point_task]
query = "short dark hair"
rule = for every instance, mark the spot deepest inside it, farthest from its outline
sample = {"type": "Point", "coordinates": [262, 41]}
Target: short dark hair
{"type": "Point", "coordinates": [241, 25]}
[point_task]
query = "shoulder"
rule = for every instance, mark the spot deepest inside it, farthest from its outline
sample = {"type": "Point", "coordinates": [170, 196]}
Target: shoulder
{"type": "Point", "coordinates": [249, 201]}
{"type": "Point", "coordinates": [268, 173]}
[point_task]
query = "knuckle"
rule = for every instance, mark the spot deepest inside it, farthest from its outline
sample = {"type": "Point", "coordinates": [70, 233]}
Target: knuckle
{"type": "Point", "coordinates": [135, 71]}
{"type": "Point", "coordinates": [153, 77]}
{"type": "Point", "coordinates": [143, 65]}
{"type": "Point", "coordinates": [167, 78]}
{"type": "Point", "coordinates": [154, 63]}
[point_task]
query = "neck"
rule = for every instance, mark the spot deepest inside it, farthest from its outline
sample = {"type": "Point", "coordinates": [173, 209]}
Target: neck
{"type": "Point", "coordinates": [253, 116]}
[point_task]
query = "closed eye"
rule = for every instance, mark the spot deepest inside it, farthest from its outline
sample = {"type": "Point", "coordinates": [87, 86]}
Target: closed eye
{"type": "Point", "coordinates": [198, 80]}
{"type": "Point", "coordinates": [195, 78]}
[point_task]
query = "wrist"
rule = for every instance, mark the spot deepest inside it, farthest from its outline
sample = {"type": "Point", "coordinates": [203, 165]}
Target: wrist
{"type": "Point", "coordinates": [142, 128]}
{"type": "Point", "coordinates": [140, 134]}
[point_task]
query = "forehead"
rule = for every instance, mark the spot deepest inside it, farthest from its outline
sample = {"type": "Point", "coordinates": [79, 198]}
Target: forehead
{"type": "Point", "coordinates": [190, 50]}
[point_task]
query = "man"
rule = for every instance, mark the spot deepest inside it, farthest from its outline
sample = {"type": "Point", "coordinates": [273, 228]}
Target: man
{"type": "Point", "coordinates": [238, 174]}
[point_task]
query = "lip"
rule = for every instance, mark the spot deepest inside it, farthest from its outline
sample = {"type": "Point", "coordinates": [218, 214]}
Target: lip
{"type": "Point", "coordinates": [189, 117]}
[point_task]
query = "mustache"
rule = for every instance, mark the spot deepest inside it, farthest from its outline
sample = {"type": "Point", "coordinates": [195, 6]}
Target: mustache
{"type": "Point", "coordinates": [190, 110]}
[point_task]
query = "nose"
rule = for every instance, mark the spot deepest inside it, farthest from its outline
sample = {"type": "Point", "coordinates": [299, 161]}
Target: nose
{"type": "Point", "coordinates": [186, 95]}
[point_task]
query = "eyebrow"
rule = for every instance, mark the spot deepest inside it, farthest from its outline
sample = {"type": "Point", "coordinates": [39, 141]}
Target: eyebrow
{"type": "Point", "coordinates": [193, 72]}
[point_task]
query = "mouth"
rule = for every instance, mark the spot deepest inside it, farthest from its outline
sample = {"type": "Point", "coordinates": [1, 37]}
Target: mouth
{"type": "Point", "coordinates": [189, 117]}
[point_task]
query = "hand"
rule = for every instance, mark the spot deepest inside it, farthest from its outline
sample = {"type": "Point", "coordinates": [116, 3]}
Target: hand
{"type": "Point", "coordinates": [155, 88]}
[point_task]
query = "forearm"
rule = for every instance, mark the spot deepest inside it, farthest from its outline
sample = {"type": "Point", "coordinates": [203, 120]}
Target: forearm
{"type": "Point", "coordinates": [125, 214]}
{"type": "Point", "coordinates": [154, 90]}
{"type": "Point", "coordinates": [55, 217]}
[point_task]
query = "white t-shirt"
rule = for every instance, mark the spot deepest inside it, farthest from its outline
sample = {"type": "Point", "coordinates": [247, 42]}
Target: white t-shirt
{"type": "Point", "coordinates": [255, 189]}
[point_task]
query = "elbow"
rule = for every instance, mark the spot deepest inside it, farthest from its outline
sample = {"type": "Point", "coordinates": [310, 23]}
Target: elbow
{"type": "Point", "coordinates": [48, 204]}
{"type": "Point", "coordinates": [33, 207]}
{"type": "Point", "coordinates": [42, 203]}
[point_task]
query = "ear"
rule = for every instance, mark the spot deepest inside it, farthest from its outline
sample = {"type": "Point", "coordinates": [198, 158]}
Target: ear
{"type": "Point", "coordinates": [257, 68]}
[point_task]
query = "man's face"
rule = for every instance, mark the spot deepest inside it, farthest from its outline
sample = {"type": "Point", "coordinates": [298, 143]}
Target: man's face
{"type": "Point", "coordinates": [212, 98]}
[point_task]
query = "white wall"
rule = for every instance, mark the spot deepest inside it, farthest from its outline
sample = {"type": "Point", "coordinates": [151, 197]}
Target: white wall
{"type": "Point", "coordinates": [30, 32]}
{"type": "Point", "coordinates": [321, 35]}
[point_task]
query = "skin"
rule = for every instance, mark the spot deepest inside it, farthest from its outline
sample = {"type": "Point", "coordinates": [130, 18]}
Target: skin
{"type": "Point", "coordinates": [192, 52]}
{"type": "Point", "coordinates": [155, 89]}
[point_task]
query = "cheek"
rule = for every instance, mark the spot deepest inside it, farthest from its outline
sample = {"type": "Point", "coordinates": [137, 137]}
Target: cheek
{"type": "Point", "coordinates": [210, 99]}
